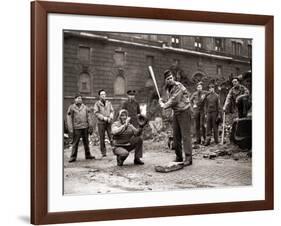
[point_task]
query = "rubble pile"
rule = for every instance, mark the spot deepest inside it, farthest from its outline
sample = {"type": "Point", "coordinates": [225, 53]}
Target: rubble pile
{"type": "Point", "coordinates": [227, 150]}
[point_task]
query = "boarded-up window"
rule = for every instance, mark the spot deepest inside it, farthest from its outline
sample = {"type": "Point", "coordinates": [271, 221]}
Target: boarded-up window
{"type": "Point", "coordinates": [219, 70]}
{"type": "Point", "coordinates": [150, 60]}
{"type": "Point", "coordinates": [237, 71]}
{"type": "Point", "coordinates": [233, 47]}
{"type": "Point", "coordinates": [198, 43]}
{"type": "Point", "coordinates": [239, 47]}
{"type": "Point", "coordinates": [175, 40]}
{"type": "Point", "coordinates": [84, 83]}
{"type": "Point", "coordinates": [176, 62]}
{"type": "Point", "coordinates": [120, 85]}
{"type": "Point", "coordinates": [153, 37]}
{"type": "Point", "coordinates": [119, 58]}
{"type": "Point", "coordinates": [249, 51]}
{"type": "Point", "coordinates": [84, 54]}
{"type": "Point", "coordinates": [149, 82]}
{"type": "Point", "coordinates": [219, 44]}
{"type": "Point", "coordinates": [236, 48]}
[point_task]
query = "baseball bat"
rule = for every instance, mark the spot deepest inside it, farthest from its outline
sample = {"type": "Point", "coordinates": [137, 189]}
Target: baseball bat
{"type": "Point", "coordinates": [154, 80]}
{"type": "Point", "coordinates": [223, 124]}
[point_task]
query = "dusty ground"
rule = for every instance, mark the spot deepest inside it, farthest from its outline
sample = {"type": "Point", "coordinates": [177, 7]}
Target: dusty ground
{"type": "Point", "coordinates": [208, 170]}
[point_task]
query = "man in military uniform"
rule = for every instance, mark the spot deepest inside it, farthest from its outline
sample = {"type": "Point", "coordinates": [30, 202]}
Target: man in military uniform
{"type": "Point", "coordinates": [180, 103]}
{"type": "Point", "coordinates": [238, 96]}
{"type": "Point", "coordinates": [213, 111]}
{"type": "Point", "coordinates": [197, 104]}
{"type": "Point", "coordinates": [132, 106]}
{"type": "Point", "coordinates": [79, 125]}
{"type": "Point", "coordinates": [104, 112]}
{"type": "Point", "coordinates": [126, 138]}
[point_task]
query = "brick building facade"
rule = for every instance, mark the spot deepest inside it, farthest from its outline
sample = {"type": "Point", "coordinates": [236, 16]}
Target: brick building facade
{"type": "Point", "coordinates": [118, 62]}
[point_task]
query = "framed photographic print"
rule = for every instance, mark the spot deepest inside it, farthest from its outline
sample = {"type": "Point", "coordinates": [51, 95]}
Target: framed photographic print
{"type": "Point", "coordinates": [146, 112]}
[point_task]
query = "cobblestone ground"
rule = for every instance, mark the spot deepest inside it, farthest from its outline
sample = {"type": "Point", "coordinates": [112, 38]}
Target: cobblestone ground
{"type": "Point", "coordinates": [104, 176]}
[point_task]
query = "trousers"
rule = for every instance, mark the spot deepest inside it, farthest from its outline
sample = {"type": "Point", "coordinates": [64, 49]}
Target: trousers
{"type": "Point", "coordinates": [102, 128]}
{"type": "Point", "coordinates": [181, 133]}
{"type": "Point", "coordinates": [77, 134]}
{"type": "Point", "coordinates": [135, 143]}
{"type": "Point", "coordinates": [212, 126]}
{"type": "Point", "coordinates": [199, 118]}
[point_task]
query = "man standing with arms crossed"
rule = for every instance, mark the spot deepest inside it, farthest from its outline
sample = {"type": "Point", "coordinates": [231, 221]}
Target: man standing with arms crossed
{"type": "Point", "coordinates": [104, 112]}
{"type": "Point", "coordinates": [180, 103]}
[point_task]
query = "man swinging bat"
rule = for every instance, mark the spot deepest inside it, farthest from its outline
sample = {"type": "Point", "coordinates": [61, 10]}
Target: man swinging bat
{"type": "Point", "coordinates": [180, 103]}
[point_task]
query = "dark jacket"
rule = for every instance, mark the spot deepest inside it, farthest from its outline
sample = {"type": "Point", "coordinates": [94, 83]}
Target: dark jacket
{"type": "Point", "coordinates": [212, 103]}
{"type": "Point", "coordinates": [197, 100]}
{"type": "Point", "coordinates": [78, 117]}
{"type": "Point", "coordinates": [133, 109]}
{"type": "Point", "coordinates": [234, 93]}
{"type": "Point", "coordinates": [178, 98]}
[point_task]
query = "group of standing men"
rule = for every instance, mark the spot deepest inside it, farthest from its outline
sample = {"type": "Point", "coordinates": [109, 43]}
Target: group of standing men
{"type": "Point", "coordinates": [125, 133]}
{"type": "Point", "coordinates": [207, 108]}
{"type": "Point", "coordinates": [204, 105]}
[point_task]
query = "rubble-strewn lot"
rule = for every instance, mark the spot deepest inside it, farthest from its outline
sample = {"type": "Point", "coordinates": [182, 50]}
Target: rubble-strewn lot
{"type": "Point", "coordinates": [213, 166]}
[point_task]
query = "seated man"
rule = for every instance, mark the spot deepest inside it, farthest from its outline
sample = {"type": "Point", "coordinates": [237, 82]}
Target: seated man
{"type": "Point", "coordinates": [126, 138]}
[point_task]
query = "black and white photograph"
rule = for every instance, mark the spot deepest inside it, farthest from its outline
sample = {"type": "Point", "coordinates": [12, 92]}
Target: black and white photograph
{"type": "Point", "coordinates": [154, 112]}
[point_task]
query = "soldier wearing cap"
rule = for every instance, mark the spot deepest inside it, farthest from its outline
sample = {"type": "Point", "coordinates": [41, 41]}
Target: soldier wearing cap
{"type": "Point", "coordinates": [179, 101]}
{"type": "Point", "coordinates": [239, 96]}
{"type": "Point", "coordinates": [197, 104]}
{"type": "Point", "coordinates": [213, 111]}
{"type": "Point", "coordinates": [132, 106]}
{"type": "Point", "coordinates": [104, 112]}
{"type": "Point", "coordinates": [79, 125]}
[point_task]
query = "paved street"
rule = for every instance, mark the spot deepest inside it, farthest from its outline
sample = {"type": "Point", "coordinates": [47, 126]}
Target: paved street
{"type": "Point", "coordinates": [104, 176]}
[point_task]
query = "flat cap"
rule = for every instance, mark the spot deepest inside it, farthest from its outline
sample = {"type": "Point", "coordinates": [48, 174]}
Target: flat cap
{"type": "Point", "coordinates": [131, 92]}
{"type": "Point", "coordinates": [167, 73]}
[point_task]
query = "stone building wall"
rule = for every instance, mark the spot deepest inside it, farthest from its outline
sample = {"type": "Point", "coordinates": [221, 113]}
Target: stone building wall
{"type": "Point", "coordinates": [91, 63]}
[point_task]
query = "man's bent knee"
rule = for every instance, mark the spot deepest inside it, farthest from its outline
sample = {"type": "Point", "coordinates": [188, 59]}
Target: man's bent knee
{"type": "Point", "coordinates": [121, 152]}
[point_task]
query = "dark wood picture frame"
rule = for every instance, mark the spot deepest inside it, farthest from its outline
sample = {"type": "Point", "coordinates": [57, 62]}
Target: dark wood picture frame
{"type": "Point", "coordinates": [39, 112]}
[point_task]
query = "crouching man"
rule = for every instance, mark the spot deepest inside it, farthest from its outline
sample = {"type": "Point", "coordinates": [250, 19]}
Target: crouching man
{"type": "Point", "coordinates": [126, 138]}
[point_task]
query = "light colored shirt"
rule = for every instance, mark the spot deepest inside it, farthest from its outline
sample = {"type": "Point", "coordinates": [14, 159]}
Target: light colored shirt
{"type": "Point", "coordinates": [178, 98]}
{"type": "Point", "coordinates": [103, 111]}
{"type": "Point", "coordinates": [78, 117]}
{"type": "Point", "coordinates": [235, 92]}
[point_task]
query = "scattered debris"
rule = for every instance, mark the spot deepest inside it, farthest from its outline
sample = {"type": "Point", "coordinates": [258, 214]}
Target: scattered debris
{"type": "Point", "coordinates": [156, 125]}
{"type": "Point", "coordinates": [93, 170]}
{"type": "Point", "coordinates": [212, 155]}
{"type": "Point", "coordinates": [172, 166]}
{"type": "Point", "coordinates": [195, 146]}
